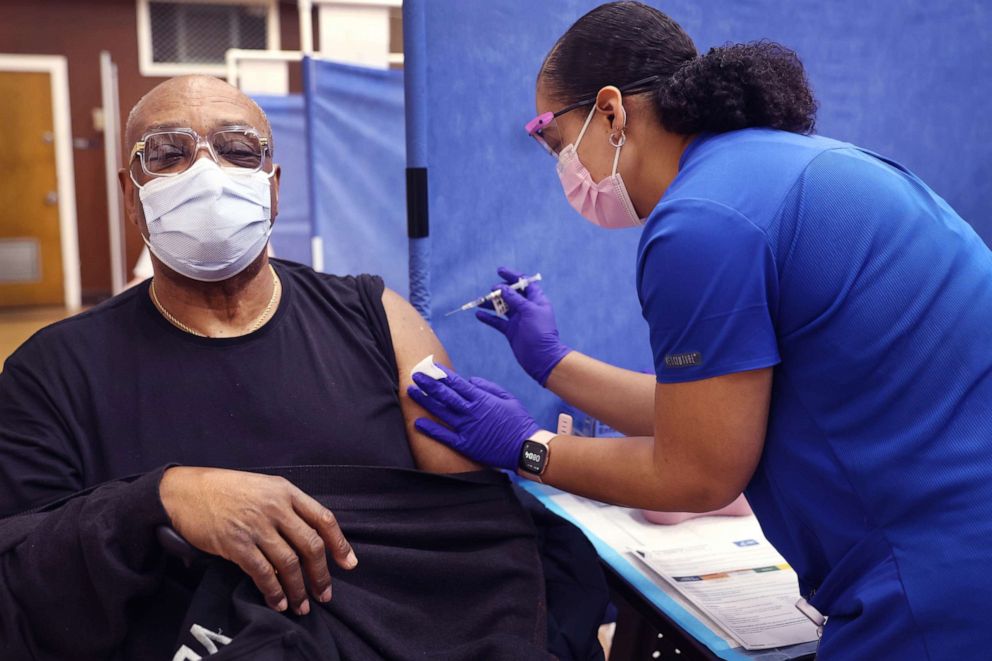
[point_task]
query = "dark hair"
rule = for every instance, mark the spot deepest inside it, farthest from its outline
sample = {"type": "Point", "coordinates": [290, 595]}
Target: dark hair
{"type": "Point", "coordinates": [731, 87]}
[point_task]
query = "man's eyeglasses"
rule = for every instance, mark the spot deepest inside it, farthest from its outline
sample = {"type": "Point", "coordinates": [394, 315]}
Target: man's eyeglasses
{"type": "Point", "coordinates": [169, 152]}
{"type": "Point", "coordinates": [544, 127]}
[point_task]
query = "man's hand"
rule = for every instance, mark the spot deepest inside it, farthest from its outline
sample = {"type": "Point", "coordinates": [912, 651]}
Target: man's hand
{"type": "Point", "coordinates": [264, 524]}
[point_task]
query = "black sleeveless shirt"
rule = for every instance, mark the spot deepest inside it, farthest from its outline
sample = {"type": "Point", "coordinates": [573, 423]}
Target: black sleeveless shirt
{"type": "Point", "coordinates": [118, 390]}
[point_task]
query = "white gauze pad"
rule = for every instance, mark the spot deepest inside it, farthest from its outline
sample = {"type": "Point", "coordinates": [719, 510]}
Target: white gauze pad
{"type": "Point", "coordinates": [428, 368]}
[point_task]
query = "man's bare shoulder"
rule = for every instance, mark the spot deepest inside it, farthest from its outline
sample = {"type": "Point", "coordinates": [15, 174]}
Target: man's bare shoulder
{"type": "Point", "coordinates": [413, 340]}
{"type": "Point", "coordinates": [404, 318]}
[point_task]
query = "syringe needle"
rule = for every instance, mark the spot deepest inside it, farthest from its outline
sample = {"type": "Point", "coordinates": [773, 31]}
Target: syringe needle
{"type": "Point", "coordinates": [519, 285]}
{"type": "Point", "coordinates": [467, 306]}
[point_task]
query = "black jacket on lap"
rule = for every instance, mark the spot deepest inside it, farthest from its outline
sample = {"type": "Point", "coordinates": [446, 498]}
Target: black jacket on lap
{"type": "Point", "coordinates": [450, 568]}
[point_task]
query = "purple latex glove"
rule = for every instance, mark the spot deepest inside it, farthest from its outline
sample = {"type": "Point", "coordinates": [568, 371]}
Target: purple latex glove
{"type": "Point", "coordinates": [486, 423]}
{"type": "Point", "coordinates": [530, 327]}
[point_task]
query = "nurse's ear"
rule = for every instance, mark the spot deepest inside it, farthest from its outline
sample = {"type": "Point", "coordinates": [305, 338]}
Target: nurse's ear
{"type": "Point", "coordinates": [611, 114]}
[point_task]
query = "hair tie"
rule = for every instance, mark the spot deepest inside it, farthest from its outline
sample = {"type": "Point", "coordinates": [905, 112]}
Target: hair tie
{"type": "Point", "coordinates": [684, 64]}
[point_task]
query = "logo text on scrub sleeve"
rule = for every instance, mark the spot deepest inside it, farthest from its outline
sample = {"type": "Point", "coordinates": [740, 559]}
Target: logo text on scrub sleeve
{"type": "Point", "coordinates": [691, 359]}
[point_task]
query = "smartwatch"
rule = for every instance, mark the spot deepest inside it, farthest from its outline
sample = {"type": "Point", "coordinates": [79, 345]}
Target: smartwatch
{"type": "Point", "coordinates": [534, 455]}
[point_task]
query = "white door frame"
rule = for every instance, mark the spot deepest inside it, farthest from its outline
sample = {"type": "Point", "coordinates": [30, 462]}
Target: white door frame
{"type": "Point", "coordinates": [57, 67]}
{"type": "Point", "coordinates": [110, 101]}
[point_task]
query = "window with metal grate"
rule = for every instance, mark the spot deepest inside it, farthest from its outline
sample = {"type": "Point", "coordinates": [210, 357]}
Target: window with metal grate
{"type": "Point", "coordinates": [192, 36]}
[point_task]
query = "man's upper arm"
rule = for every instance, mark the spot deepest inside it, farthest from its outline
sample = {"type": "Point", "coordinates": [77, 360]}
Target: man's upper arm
{"type": "Point", "coordinates": [36, 464]}
{"type": "Point", "coordinates": [413, 340]}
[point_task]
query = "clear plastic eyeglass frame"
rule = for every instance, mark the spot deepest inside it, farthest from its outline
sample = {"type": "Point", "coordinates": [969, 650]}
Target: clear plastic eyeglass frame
{"type": "Point", "coordinates": [264, 149]}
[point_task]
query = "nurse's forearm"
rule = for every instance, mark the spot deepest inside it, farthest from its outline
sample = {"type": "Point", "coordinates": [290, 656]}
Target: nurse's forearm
{"type": "Point", "coordinates": [626, 471]}
{"type": "Point", "coordinates": [621, 398]}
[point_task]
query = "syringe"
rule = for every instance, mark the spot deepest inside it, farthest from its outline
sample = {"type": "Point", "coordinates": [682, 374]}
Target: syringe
{"type": "Point", "coordinates": [519, 285]}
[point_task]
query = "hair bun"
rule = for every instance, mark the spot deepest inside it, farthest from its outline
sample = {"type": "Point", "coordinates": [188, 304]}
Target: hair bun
{"type": "Point", "coordinates": [738, 86]}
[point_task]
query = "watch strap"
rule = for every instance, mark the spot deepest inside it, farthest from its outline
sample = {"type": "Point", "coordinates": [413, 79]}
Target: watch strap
{"type": "Point", "coordinates": [542, 436]}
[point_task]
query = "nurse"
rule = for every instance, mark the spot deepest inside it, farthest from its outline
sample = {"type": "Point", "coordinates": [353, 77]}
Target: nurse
{"type": "Point", "coordinates": [821, 324]}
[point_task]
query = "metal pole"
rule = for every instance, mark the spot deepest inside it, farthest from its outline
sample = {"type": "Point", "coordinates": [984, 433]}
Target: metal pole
{"type": "Point", "coordinates": [309, 108]}
{"type": "Point", "coordinates": [415, 100]}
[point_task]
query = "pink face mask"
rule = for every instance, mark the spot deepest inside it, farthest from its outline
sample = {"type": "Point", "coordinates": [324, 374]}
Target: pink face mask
{"type": "Point", "coordinates": [606, 203]}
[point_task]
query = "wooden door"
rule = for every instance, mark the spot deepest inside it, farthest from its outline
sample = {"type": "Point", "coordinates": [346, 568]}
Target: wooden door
{"type": "Point", "coordinates": [30, 248]}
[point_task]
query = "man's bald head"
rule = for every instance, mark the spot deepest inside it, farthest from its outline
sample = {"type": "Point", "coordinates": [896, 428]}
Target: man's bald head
{"type": "Point", "coordinates": [203, 103]}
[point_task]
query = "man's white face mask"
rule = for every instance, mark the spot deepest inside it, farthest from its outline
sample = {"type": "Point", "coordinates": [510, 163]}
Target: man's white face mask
{"type": "Point", "coordinates": [208, 223]}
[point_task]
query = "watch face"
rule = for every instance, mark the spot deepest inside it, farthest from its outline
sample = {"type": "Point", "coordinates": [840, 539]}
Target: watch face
{"type": "Point", "coordinates": [533, 456]}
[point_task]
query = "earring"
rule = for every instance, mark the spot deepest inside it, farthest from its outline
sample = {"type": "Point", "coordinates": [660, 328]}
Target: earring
{"type": "Point", "coordinates": [621, 132]}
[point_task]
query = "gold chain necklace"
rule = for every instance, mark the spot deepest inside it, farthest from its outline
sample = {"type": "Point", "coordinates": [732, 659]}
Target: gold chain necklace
{"type": "Point", "coordinates": [259, 320]}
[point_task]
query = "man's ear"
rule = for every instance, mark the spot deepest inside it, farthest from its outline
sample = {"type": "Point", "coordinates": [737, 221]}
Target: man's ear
{"type": "Point", "coordinates": [276, 174]}
{"type": "Point", "coordinates": [609, 103]}
{"type": "Point", "coordinates": [127, 190]}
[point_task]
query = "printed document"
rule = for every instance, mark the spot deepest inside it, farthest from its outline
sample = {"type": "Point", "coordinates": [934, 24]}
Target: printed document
{"type": "Point", "coordinates": [723, 566]}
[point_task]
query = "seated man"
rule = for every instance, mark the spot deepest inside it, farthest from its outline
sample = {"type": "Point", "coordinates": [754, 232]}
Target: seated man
{"type": "Point", "coordinates": [224, 360]}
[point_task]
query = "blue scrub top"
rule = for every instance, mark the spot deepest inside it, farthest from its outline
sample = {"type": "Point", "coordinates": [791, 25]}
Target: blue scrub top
{"type": "Point", "coordinates": [872, 299]}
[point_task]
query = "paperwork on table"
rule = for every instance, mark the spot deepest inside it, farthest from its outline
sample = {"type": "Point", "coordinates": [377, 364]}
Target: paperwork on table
{"type": "Point", "coordinates": [723, 566]}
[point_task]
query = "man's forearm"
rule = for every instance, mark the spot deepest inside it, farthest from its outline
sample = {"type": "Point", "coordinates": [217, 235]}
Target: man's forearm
{"type": "Point", "coordinates": [67, 575]}
{"type": "Point", "coordinates": [621, 398]}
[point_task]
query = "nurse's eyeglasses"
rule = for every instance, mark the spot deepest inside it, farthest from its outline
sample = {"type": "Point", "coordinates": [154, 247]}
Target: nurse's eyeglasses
{"type": "Point", "coordinates": [168, 152]}
{"type": "Point", "coordinates": [544, 127]}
